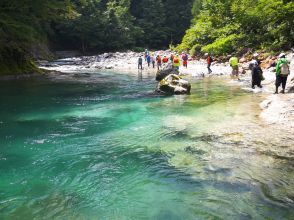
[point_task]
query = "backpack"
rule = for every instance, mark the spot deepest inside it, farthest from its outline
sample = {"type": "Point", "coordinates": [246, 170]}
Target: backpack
{"type": "Point", "coordinates": [285, 71]}
{"type": "Point", "coordinates": [211, 60]}
{"type": "Point", "coordinates": [158, 59]}
{"type": "Point", "coordinates": [260, 73]}
{"type": "Point", "coordinates": [185, 57]}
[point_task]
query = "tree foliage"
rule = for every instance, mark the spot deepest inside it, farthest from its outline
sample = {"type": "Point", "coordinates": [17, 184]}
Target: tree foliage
{"type": "Point", "coordinates": [28, 27]}
{"type": "Point", "coordinates": [223, 26]}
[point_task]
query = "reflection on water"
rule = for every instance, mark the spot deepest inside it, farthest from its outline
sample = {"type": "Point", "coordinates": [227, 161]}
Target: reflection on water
{"type": "Point", "coordinates": [102, 146]}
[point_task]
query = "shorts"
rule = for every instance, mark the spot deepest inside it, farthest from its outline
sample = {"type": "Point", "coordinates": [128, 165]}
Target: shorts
{"type": "Point", "coordinates": [281, 80]}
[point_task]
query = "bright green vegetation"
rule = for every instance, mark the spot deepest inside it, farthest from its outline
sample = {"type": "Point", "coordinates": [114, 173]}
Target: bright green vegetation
{"type": "Point", "coordinates": [104, 148]}
{"type": "Point", "coordinates": [29, 27]}
{"type": "Point", "coordinates": [224, 26]}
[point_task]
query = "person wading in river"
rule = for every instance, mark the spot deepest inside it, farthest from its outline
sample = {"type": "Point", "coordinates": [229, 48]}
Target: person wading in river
{"type": "Point", "coordinates": [140, 62]}
{"type": "Point", "coordinates": [282, 72]}
{"type": "Point", "coordinates": [257, 76]}
{"type": "Point", "coordinates": [235, 68]}
{"type": "Point", "coordinates": [209, 62]}
{"type": "Point", "coordinates": [185, 59]}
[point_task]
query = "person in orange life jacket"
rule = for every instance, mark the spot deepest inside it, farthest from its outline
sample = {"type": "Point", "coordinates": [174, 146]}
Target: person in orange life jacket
{"type": "Point", "coordinates": [176, 62]}
{"type": "Point", "coordinates": [185, 59]}
{"type": "Point", "coordinates": [158, 61]}
{"type": "Point", "coordinates": [164, 59]}
{"type": "Point", "coordinates": [209, 61]}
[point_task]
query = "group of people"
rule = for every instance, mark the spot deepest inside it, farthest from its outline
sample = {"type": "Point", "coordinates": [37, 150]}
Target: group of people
{"type": "Point", "coordinates": [282, 70]}
{"type": "Point", "coordinates": [161, 60]}
{"type": "Point", "coordinates": [281, 66]}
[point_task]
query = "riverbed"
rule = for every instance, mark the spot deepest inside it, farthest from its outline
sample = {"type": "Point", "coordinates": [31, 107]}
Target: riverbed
{"type": "Point", "coordinates": [102, 145]}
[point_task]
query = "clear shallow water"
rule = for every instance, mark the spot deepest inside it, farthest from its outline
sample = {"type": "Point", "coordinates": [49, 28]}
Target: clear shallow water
{"type": "Point", "coordinates": [101, 146]}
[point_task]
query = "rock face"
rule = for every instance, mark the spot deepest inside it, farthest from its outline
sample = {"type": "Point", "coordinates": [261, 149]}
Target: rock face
{"type": "Point", "coordinates": [173, 84]}
{"type": "Point", "coordinates": [169, 69]}
{"type": "Point", "coordinates": [291, 85]}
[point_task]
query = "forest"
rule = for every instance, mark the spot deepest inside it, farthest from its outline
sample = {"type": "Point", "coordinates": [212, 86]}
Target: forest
{"type": "Point", "coordinates": [30, 29]}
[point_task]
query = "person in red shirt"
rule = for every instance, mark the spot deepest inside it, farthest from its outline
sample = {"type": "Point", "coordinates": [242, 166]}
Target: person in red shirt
{"type": "Point", "coordinates": [209, 61]}
{"type": "Point", "coordinates": [158, 61]}
{"type": "Point", "coordinates": [164, 59]}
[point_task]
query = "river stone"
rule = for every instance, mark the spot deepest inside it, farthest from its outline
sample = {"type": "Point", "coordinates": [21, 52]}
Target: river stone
{"type": "Point", "coordinates": [108, 67]}
{"type": "Point", "coordinates": [167, 70]}
{"type": "Point", "coordinates": [173, 84]}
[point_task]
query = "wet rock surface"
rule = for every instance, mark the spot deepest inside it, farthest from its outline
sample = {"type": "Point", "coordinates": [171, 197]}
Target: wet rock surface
{"type": "Point", "coordinates": [173, 84]}
{"type": "Point", "coordinates": [168, 69]}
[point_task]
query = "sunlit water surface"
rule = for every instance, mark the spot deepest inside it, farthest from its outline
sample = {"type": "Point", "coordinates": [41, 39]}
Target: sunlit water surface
{"type": "Point", "coordinates": [102, 146]}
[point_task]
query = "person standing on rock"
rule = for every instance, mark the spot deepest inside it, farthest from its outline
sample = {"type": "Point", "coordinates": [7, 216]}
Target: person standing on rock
{"type": "Point", "coordinates": [176, 62]}
{"type": "Point", "coordinates": [209, 62]}
{"type": "Point", "coordinates": [185, 59]}
{"type": "Point", "coordinates": [140, 63]}
{"type": "Point", "coordinates": [282, 72]}
{"type": "Point", "coordinates": [256, 73]}
{"type": "Point", "coordinates": [158, 61]}
{"type": "Point", "coordinates": [234, 64]}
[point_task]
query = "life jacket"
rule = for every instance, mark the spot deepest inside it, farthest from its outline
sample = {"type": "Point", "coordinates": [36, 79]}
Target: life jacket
{"type": "Point", "coordinates": [165, 60]}
{"type": "Point", "coordinates": [176, 60]}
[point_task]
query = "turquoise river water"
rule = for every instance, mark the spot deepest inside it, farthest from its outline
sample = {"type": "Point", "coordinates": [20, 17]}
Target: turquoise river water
{"type": "Point", "coordinates": [102, 146]}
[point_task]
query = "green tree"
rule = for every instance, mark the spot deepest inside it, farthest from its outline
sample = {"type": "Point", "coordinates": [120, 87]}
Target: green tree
{"type": "Point", "coordinates": [225, 26]}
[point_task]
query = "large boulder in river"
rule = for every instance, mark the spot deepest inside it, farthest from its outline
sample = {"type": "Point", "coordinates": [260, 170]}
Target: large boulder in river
{"type": "Point", "coordinates": [173, 84]}
{"type": "Point", "coordinates": [168, 69]}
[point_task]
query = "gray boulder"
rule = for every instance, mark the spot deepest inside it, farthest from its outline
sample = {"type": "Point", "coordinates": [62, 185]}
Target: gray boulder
{"type": "Point", "coordinates": [168, 69]}
{"type": "Point", "coordinates": [173, 84]}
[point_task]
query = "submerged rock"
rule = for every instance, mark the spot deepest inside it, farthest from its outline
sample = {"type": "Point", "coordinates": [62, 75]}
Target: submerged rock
{"type": "Point", "coordinates": [173, 84]}
{"type": "Point", "coordinates": [167, 70]}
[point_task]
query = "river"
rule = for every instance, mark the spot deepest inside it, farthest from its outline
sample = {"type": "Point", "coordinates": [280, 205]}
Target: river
{"type": "Point", "coordinates": [102, 146]}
